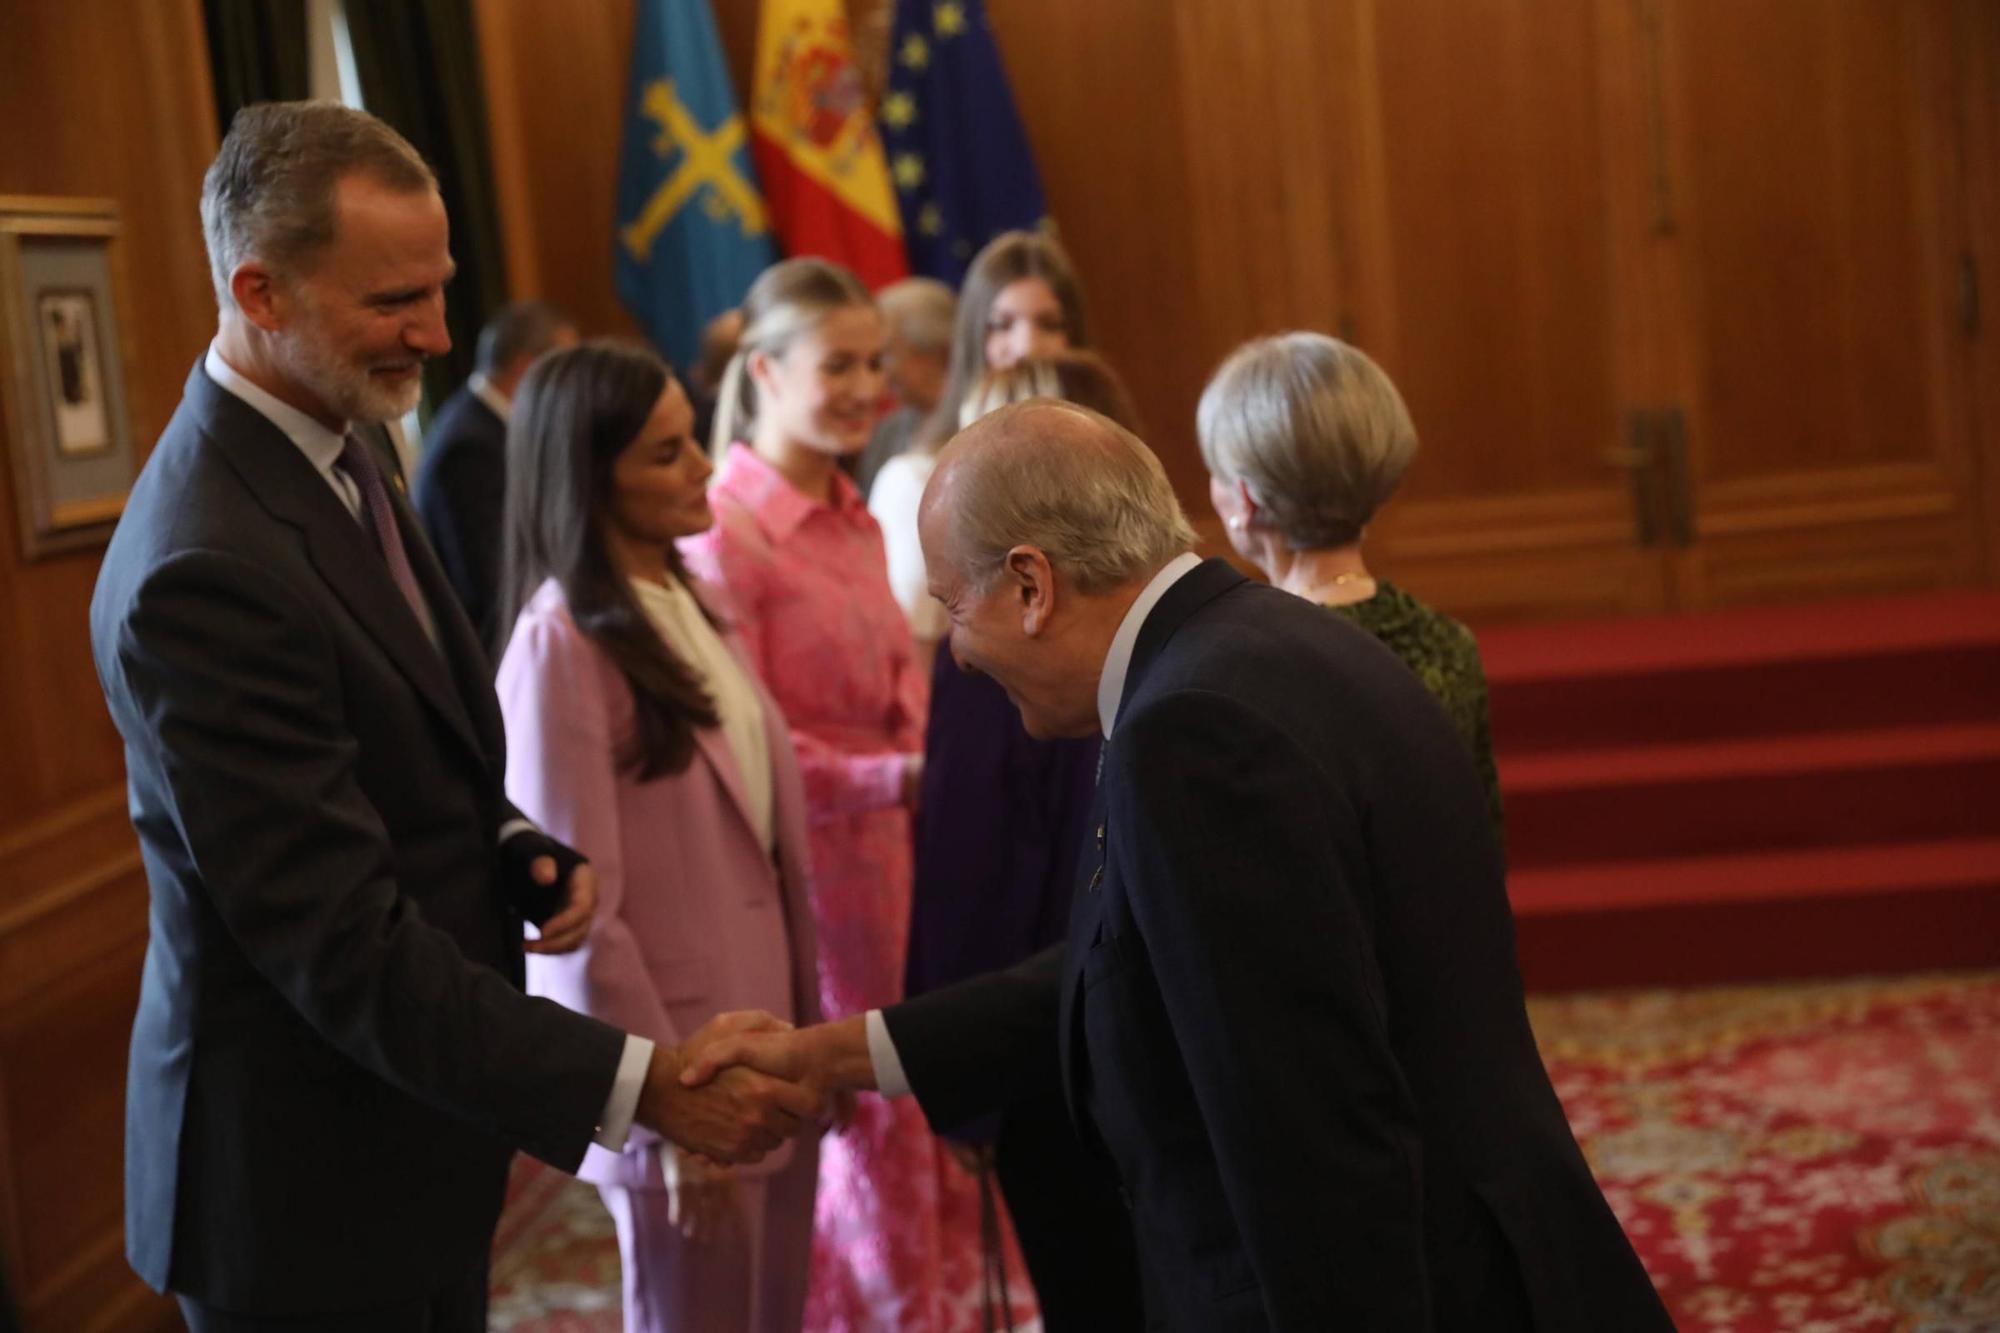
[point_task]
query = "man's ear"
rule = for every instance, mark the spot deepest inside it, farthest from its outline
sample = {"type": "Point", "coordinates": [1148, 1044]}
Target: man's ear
{"type": "Point", "coordinates": [257, 295]}
{"type": "Point", "coordinates": [1033, 582]}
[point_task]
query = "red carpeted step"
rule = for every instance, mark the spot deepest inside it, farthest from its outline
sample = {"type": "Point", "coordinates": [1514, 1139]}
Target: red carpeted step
{"type": "Point", "coordinates": [1851, 787]}
{"type": "Point", "coordinates": [1770, 671]}
{"type": "Point", "coordinates": [1772, 792]}
{"type": "Point", "coordinates": [1817, 912]}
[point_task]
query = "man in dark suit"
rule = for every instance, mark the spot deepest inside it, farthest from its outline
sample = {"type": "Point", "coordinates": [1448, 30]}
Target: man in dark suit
{"type": "Point", "coordinates": [332, 1061]}
{"type": "Point", "coordinates": [1288, 1013]}
{"type": "Point", "coordinates": [462, 479]}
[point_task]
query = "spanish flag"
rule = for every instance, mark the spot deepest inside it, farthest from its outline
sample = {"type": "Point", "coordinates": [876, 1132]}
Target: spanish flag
{"type": "Point", "coordinates": [817, 151]}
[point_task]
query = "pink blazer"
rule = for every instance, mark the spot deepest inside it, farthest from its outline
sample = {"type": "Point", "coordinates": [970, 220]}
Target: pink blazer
{"type": "Point", "coordinates": [693, 915]}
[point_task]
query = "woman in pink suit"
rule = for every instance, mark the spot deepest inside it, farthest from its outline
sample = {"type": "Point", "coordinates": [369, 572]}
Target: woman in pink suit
{"type": "Point", "coordinates": [638, 734]}
{"type": "Point", "coordinates": [899, 1243]}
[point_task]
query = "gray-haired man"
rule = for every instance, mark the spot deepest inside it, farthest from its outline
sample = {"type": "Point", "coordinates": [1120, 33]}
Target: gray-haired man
{"type": "Point", "coordinates": [332, 1061]}
{"type": "Point", "coordinates": [1288, 1012]}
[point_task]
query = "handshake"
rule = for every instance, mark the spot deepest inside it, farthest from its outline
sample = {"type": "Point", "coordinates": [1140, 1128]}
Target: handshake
{"type": "Point", "coordinates": [747, 1081]}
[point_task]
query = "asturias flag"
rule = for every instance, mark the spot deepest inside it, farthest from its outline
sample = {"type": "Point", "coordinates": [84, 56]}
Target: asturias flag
{"type": "Point", "coordinates": [692, 228]}
{"type": "Point", "coordinates": [817, 149]}
{"type": "Point", "coordinates": [957, 153]}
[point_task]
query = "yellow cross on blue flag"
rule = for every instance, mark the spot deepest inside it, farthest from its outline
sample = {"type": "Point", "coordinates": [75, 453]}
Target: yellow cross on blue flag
{"type": "Point", "coordinates": [692, 231]}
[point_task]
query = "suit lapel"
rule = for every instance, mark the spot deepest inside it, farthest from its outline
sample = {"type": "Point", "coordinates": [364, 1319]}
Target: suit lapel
{"type": "Point", "coordinates": [458, 640]}
{"type": "Point", "coordinates": [287, 485]}
{"type": "Point", "coordinates": [1196, 589]}
{"type": "Point", "coordinates": [714, 744]}
{"type": "Point", "coordinates": [715, 749]}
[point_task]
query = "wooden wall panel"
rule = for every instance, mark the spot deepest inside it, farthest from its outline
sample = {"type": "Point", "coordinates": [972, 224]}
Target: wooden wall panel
{"type": "Point", "coordinates": [555, 79]}
{"type": "Point", "coordinates": [1485, 279]}
{"type": "Point", "coordinates": [1818, 177]}
{"type": "Point", "coordinates": [1272, 244]}
{"type": "Point", "coordinates": [1100, 93]}
{"type": "Point", "coordinates": [1539, 214]}
{"type": "Point", "coordinates": [110, 100]}
{"type": "Point", "coordinates": [1977, 56]}
{"type": "Point", "coordinates": [1815, 251]}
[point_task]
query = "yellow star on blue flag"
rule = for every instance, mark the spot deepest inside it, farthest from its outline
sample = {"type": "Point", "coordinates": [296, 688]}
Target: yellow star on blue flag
{"type": "Point", "coordinates": [957, 151]}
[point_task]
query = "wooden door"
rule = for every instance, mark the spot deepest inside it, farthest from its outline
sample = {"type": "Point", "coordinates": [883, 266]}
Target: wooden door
{"type": "Point", "coordinates": [1809, 199]}
{"type": "Point", "coordinates": [1488, 150]}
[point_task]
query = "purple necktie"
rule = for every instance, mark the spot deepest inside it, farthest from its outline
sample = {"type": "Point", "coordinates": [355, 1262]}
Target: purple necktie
{"type": "Point", "coordinates": [357, 460]}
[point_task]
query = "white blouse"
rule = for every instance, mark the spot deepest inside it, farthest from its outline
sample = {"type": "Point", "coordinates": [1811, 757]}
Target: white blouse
{"type": "Point", "coordinates": [893, 500]}
{"type": "Point", "coordinates": [679, 619]}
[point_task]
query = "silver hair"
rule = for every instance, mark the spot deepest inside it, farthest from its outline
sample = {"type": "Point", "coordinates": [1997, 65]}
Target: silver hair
{"type": "Point", "coordinates": [919, 313]}
{"type": "Point", "coordinates": [1313, 428]}
{"type": "Point", "coordinates": [1068, 481]}
{"type": "Point", "coordinates": [270, 193]}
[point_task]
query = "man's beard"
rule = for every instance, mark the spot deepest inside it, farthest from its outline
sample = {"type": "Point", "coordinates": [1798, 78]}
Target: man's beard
{"type": "Point", "coordinates": [347, 392]}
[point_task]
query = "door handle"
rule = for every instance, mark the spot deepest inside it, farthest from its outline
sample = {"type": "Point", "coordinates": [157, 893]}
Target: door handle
{"type": "Point", "coordinates": [1679, 483]}
{"type": "Point", "coordinates": [1640, 456]}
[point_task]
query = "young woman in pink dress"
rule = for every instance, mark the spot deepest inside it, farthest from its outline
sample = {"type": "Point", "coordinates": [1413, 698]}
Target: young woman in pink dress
{"type": "Point", "coordinates": [638, 734]}
{"type": "Point", "coordinates": [898, 1241]}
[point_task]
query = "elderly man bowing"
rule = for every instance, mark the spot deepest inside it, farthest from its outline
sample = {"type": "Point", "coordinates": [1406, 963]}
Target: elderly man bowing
{"type": "Point", "coordinates": [1288, 1011]}
{"type": "Point", "coordinates": [333, 1061]}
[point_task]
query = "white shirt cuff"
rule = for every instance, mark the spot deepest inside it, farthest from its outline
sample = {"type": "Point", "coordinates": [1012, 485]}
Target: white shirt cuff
{"type": "Point", "coordinates": [513, 826]}
{"type": "Point", "coordinates": [890, 1080]}
{"type": "Point", "coordinates": [616, 1122]}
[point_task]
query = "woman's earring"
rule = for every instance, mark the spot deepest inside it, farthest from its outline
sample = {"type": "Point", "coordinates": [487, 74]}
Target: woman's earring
{"type": "Point", "coordinates": [1235, 522]}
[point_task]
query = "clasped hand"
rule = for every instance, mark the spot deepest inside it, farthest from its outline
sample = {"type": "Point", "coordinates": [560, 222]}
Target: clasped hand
{"type": "Point", "coordinates": [736, 1114]}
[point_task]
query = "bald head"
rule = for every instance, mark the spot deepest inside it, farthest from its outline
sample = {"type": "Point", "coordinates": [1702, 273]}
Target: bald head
{"type": "Point", "coordinates": [1074, 485]}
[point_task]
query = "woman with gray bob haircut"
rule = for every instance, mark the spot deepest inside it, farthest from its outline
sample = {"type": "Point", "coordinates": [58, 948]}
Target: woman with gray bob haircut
{"type": "Point", "coordinates": [1305, 438]}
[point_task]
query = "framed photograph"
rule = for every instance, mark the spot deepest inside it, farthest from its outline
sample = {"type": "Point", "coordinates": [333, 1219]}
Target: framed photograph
{"type": "Point", "coordinates": [64, 351]}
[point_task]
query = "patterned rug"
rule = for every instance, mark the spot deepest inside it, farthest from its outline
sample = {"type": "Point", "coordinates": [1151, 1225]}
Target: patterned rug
{"type": "Point", "coordinates": [555, 1257]}
{"type": "Point", "coordinates": [1816, 1159]}
{"type": "Point", "coordinates": [1812, 1158]}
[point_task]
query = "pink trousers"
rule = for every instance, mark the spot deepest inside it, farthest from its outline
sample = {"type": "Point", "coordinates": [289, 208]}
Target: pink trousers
{"type": "Point", "coordinates": [750, 1279]}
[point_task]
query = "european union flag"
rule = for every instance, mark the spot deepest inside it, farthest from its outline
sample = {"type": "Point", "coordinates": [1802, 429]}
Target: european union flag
{"type": "Point", "coordinates": [692, 231]}
{"type": "Point", "coordinates": [957, 153]}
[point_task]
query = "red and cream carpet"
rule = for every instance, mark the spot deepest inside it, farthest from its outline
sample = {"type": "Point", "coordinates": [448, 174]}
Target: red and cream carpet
{"type": "Point", "coordinates": [1820, 1158]}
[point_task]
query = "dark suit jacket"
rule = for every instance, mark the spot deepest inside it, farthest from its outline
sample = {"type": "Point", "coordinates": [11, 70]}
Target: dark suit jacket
{"type": "Point", "coordinates": [1288, 1011]}
{"type": "Point", "coordinates": [332, 1060]}
{"type": "Point", "coordinates": [461, 494]}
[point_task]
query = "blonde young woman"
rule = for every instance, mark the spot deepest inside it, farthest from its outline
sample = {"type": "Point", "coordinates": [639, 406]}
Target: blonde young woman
{"type": "Point", "coordinates": [1305, 439]}
{"type": "Point", "coordinates": [897, 1240]}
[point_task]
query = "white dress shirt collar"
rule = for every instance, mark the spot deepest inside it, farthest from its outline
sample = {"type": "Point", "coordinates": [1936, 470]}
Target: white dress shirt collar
{"type": "Point", "coordinates": [318, 443]}
{"type": "Point", "coordinates": [501, 405]}
{"type": "Point", "coordinates": [1111, 684]}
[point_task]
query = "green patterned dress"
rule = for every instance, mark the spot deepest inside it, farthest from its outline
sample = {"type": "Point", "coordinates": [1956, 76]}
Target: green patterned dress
{"type": "Point", "coordinates": [1446, 658]}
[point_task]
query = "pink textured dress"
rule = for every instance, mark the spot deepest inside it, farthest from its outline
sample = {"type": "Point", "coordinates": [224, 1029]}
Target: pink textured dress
{"type": "Point", "coordinates": [896, 1242]}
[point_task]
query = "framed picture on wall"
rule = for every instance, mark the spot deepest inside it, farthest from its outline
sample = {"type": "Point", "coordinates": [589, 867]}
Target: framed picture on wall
{"type": "Point", "coordinates": [63, 413]}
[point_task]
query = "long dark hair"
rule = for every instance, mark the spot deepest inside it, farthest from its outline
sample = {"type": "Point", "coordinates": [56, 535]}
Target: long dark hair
{"type": "Point", "coordinates": [1006, 260]}
{"type": "Point", "coordinates": [574, 413]}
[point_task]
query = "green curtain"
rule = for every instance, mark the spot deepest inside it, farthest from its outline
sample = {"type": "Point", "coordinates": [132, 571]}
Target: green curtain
{"type": "Point", "coordinates": [418, 61]}
{"type": "Point", "coordinates": [258, 51]}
